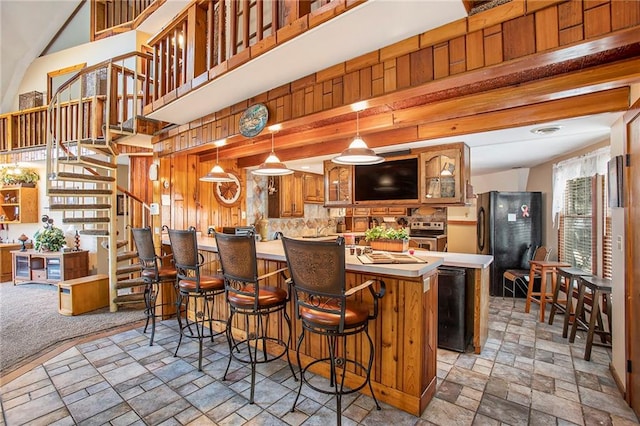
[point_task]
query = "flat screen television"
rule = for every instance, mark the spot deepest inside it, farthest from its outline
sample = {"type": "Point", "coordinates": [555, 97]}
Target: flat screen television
{"type": "Point", "coordinates": [391, 180]}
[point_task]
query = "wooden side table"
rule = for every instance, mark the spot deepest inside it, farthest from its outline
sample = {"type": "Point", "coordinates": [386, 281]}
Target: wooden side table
{"type": "Point", "coordinates": [542, 268]}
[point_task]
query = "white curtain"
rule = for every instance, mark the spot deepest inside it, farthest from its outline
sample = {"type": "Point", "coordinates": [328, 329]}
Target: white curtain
{"type": "Point", "coordinates": [591, 164]}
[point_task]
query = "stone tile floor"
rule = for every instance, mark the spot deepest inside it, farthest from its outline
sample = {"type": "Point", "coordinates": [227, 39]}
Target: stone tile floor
{"type": "Point", "coordinates": [526, 374]}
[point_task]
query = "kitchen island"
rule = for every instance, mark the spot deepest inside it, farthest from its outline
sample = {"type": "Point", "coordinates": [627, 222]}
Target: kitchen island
{"type": "Point", "coordinates": [404, 334]}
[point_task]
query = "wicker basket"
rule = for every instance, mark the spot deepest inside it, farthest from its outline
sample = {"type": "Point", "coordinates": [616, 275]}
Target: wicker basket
{"type": "Point", "coordinates": [390, 245]}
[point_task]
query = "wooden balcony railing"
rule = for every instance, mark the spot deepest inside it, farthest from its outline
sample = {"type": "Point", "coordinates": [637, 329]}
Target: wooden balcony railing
{"type": "Point", "coordinates": [109, 17]}
{"type": "Point", "coordinates": [217, 34]}
{"type": "Point", "coordinates": [24, 129]}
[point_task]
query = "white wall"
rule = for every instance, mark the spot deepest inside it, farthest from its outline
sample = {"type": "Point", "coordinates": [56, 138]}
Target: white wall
{"type": "Point", "coordinates": [511, 180]}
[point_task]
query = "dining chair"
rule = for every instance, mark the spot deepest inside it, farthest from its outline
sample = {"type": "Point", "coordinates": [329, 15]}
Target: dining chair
{"type": "Point", "coordinates": [196, 291]}
{"type": "Point", "coordinates": [327, 308]}
{"type": "Point", "coordinates": [155, 271]}
{"type": "Point", "coordinates": [519, 278]}
{"type": "Point", "coordinates": [256, 298]}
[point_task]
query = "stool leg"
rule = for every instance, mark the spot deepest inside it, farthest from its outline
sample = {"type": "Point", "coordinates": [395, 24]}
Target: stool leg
{"type": "Point", "coordinates": [579, 311]}
{"type": "Point", "coordinates": [371, 355]}
{"type": "Point", "coordinates": [568, 309]}
{"type": "Point", "coordinates": [532, 276]}
{"type": "Point", "coordinates": [552, 312]}
{"type": "Point", "coordinates": [230, 340]}
{"type": "Point", "coordinates": [300, 339]}
{"type": "Point", "coordinates": [595, 309]}
{"type": "Point", "coordinates": [288, 322]}
{"type": "Point", "coordinates": [179, 308]}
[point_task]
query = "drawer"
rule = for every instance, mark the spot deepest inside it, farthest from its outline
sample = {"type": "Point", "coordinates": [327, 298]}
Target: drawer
{"type": "Point", "coordinates": [39, 274]}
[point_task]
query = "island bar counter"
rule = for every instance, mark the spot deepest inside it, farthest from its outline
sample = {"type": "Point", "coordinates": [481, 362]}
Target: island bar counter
{"type": "Point", "coordinates": [404, 334]}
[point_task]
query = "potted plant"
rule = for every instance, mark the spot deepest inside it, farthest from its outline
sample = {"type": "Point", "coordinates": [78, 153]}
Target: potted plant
{"type": "Point", "coordinates": [49, 239]}
{"type": "Point", "coordinates": [19, 176]}
{"type": "Point", "coordinates": [389, 239]}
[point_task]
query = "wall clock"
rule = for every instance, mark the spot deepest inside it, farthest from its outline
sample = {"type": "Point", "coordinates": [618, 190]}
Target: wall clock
{"type": "Point", "coordinates": [228, 193]}
{"type": "Point", "coordinates": [253, 120]}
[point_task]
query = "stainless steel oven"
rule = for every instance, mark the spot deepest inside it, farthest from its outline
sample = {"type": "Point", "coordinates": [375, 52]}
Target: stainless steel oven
{"type": "Point", "coordinates": [429, 235]}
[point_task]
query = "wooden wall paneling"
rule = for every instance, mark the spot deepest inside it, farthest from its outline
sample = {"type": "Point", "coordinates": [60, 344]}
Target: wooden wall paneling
{"type": "Point", "coordinates": [327, 95]}
{"type": "Point", "coordinates": [308, 99]}
{"type": "Point", "coordinates": [400, 48]}
{"type": "Point", "coordinates": [412, 341]}
{"type": "Point", "coordinates": [441, 60]}
{"type": "Point", "coordinates": [377, 80]}
{"type": "Point", "coordinates": [351, 87]}
{"type": "Point", "coordinates": [366, 83]}
{"type": "Point", "coordinates": [475, 50]}
{"type": "Point", "coordinates": [496, 15]}
{"type": "Point", "coordinates": [179, 192]}
{"type": "Point", "coordinates": [364, 61]}
{"type": "Point", "coordinates": [597, 21]}
{"type": "Point", "coordinates": [390, 84]}
{"type": "Point", "coordinates": [386, 352]}
{"type": "Point", "coordinates": [624, 14]}
{"type": "Point", "coordinates": [457, 56]}
{"type": "Point", "coordinates": [421, 66]}
{"type": "Point", "coordinates": [298, 103]}
{"type": "Point", "coordinates": [337, 96]}
{"type": "Point", "coordinates": [546, 21]}
{"type": "Point", "coordinates": [318, 93]}
{"type": "Point", "coordinates": [571, 35]}
{"type": "Point", "coordinates": [517, 37]}
{"type": "Point", "coordinates": [570, 14]}
{"type": "Point", "coordinates": [403, 71]}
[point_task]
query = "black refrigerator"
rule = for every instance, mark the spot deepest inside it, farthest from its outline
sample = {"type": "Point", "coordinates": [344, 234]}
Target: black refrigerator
{"type": "Point", "coordinates": [508, 222]}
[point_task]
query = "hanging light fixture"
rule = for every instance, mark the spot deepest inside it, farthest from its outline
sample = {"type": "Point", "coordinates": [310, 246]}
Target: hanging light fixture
{"type": "Point", "coordinates": [272, 165]}
{"type": "Point", "coordinates": [358, 152]}
{"type": "Point", "coordinates": [217, 173]}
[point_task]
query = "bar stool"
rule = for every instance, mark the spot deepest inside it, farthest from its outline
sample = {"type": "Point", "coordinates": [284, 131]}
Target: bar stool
{"type": "Point", "coordinates": [155, 271]}
{"type": "Point", "coordinates": [194, 289]}
{"type": "Point", "coordinates": [324, 308]}
{"type": "Point", "coordinates": [600, 289]}
{"type": "Point", "coordinates": [566, 279]}
{"type": "Point", "coordinates": [542, 268]}
{"type": "Point", "coordinates": [247, 296]}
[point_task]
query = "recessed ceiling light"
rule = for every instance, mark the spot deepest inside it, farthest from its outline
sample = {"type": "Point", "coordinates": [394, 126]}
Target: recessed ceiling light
{"type": "Point", "coordinates": [545, 130]}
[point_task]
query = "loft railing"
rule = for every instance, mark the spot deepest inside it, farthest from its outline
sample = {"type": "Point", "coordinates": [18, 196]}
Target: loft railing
{"type": "Point", "coordinates": [24, 129]}
{"type": "Point", "coordinates": [109, 17]}
{"type": "Point", "coordinates": [219, 33]}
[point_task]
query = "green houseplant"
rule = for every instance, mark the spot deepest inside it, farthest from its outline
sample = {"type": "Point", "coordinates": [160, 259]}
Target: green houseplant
{"type": "Point", "coordinates": [51, 239]}
{"type": "Point", "coordinates": [19, 176]}
{"type": "Point", "coordinates": [382, 238]}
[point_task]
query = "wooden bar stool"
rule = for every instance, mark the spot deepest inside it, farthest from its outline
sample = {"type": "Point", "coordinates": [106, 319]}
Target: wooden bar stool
{"type": "Point", "coordinates": [542, 268]}
{"type": "Point", "coordinates": [600, 289]}
{"type": "Point", "coordinates": [565, 283]}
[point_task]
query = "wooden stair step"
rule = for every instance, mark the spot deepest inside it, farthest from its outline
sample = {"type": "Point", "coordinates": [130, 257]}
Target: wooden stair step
{"type": "Point", "coordinates": [129, 299]}
{"type": "Point", "coordinates": [127, 255]}
{"type": "Point", "coordinates": [73, 192]}
{"type": "Point", "coordinates": [86, 220]}
{"type": "Point", "coordinates": [83, 159]}
{"type": "Point", "coordinates": [129, 269]}
{"type": "Point", "coordinates": [133, 282]}
{"type": "Point", "coordinates": [86, 141]}
{"type": "Point", "coordinates": [94, 232]}
{"type": "Point", "coordinates": [83, 177]}
{"type": "Point", "coordinates": [79, 206]}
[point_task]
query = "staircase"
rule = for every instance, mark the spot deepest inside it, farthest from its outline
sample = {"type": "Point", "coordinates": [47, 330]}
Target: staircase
{"type": "Point", "coordinates": [89, 117]}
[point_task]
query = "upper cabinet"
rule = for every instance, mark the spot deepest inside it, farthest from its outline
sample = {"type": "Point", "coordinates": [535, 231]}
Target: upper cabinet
{"type": "Point", "coordinates": [337, 184]}
{"type": "Point", "coordinates": [445, 174]}
{"type": "Point", "coordinates": [313, 188]}
{"type": "Point", "coordinates": [19, 204]}
{"type": "Point", "coordinates": [285, 197]}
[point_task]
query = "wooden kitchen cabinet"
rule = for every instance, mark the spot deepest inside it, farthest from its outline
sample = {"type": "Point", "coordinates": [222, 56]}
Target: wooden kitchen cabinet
{"type": "Point", "coordinates": [18, 204]}
{"type": "Point", "coordinates": [388, 211]}
{"type": "Point", "coordinates": [338, 185]}
{"type": "Point", "coordinates": [356, 223]}
{"type": "Point", "coordinates": [6, 269]}
{"type": "Point", "coordinates": [357, 211]}
{"type": "Point", "coordinates": [313, 188]}
{"type": "Point", "coordinates": [445, 173]}
{"type": "Point", "coordinates": [287, 199]}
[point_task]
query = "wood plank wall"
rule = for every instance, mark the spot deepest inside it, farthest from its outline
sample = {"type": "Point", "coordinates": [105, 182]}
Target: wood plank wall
{"type": "Point", "coordinates": [510, 31]}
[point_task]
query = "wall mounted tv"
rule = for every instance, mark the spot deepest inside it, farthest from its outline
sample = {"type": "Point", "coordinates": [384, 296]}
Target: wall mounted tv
{"type": "Point", "coordinates": [391, 180]}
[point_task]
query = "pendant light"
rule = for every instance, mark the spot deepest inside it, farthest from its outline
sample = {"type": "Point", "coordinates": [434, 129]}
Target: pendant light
{"type": "Point", "coordinates": [217, 173]}
{"type": "Point", "coordinates": [272, 165]}
{"type": "Point", "coordinates": [358, 152]}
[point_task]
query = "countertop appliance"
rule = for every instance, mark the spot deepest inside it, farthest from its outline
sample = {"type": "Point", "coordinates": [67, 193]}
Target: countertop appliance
{"type": "Point", "coordinates": [429, 235]}
{"type": "Point", "coordinates": [507, 223]}
{"type": "Point", "coordinates": [238, 230]}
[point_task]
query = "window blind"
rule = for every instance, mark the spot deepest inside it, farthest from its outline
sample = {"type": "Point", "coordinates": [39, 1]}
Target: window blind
{"type": "Point", "coordinates": [577, 239]}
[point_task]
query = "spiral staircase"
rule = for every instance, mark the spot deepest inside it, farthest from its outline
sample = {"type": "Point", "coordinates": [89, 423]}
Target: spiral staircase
{"type": "Point", "coordinates": [90, 118]}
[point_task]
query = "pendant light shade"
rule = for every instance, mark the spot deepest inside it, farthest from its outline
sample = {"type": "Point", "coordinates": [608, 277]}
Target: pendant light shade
{"type": "Point", "coordinates": [358, 152]}
{"type": "Point", "coordinates": [217, 173]}
{"type": "Point", "coordinates": [272, 166]}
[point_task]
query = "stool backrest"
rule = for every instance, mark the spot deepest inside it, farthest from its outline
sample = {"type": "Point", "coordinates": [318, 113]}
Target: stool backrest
{"type": "Point", "coordinates": [184, 244]}
{"type": "Point", "coordinates": [237, 254]}
{"type": "Point", "coordinates": [541, 253]}
{"type": "Point", "coordinates": [147, 257]}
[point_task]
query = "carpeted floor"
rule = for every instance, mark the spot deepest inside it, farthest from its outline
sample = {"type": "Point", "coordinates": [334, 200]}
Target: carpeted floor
{"type": "Point", "coordinates": [30, 324]}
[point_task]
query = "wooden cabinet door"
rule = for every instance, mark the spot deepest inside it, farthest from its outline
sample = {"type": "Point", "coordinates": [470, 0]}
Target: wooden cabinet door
{"type": "Point", "coordinates": [313, 188]}
{"type": "Point", "coordinates": [297, 199]}
{"type": "Point", "coordinates": [396, 211]}
{"type": "Point", "coordinates": [337, 184]}
{"type": "Point", "coordinates": [445, 173]}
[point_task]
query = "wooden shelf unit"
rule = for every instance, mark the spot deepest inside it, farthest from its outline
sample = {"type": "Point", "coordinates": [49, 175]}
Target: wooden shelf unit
{"type": "Point", "coordinates": [49, 267]}
{"type": "Point", "coordinates": [18, 204]}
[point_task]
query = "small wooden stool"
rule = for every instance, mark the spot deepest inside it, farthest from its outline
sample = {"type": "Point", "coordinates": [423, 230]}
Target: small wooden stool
{"type": "Point", "coordinates": [599, 288]}
{"type": "Point", "coordinates": [566, 279]}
